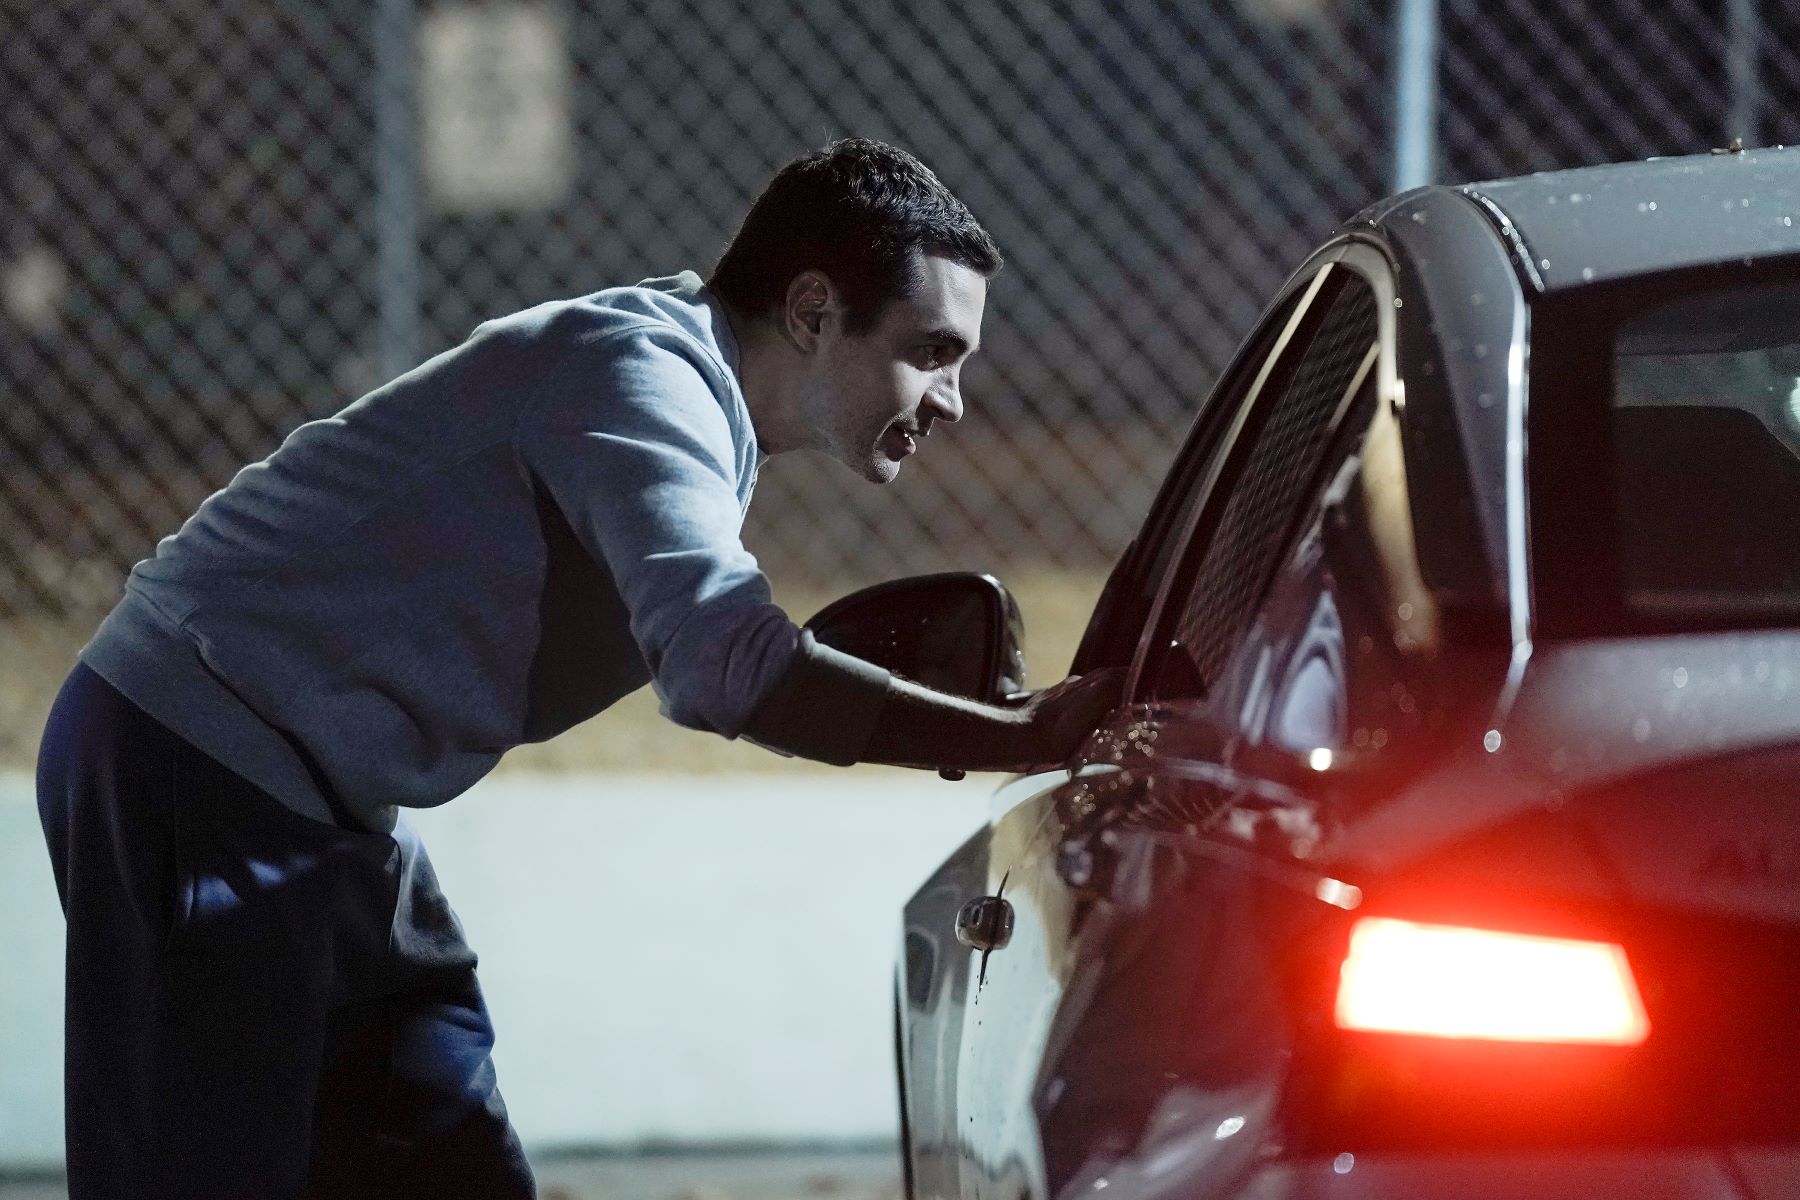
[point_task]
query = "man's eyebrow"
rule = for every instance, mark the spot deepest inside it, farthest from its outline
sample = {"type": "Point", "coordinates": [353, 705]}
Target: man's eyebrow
{"type": "Point", "coordinates": [954, 339]}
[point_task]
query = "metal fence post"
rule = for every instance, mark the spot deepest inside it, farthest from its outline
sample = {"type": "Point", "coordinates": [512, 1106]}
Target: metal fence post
{"type": "Point", "coordinates": [1415, 94]}
{"type": "Point", "coordinates": [396, 190]}
{"type": "Point", "coordinates": [1743, 33]}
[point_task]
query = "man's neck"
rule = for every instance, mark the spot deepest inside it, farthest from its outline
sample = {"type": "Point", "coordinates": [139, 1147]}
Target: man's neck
{"type": "Point", "coordinates": [765, 366]}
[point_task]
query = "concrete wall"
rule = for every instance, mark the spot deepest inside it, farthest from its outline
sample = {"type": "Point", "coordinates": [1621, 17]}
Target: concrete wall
{"type": "Point", "coordinates": [693, 959]}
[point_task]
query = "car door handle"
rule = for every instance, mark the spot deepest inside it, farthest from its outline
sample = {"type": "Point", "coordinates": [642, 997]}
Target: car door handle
{"type": "Point", "coordinates": [985, 923]}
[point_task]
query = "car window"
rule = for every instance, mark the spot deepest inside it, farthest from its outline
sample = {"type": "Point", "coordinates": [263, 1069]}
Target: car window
{"type": "Point", "coordinates": [1706, 454]}
{"type": "Point", "coordinates": [1273, 470]}
{"type": "Point", "coordinates": [1343, 654]}
{"type": "Point", "coordinates": [1124, 605]}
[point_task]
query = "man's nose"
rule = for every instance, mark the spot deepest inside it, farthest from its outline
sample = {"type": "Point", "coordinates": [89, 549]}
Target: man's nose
{"type": "Point", "coordinates": [945, 402]}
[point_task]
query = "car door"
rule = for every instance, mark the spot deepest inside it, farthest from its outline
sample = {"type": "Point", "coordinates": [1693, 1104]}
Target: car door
{"type": "Point", "coordinates": [938, 973]}
{"type": "Point", "coordinates": [1208, 545]}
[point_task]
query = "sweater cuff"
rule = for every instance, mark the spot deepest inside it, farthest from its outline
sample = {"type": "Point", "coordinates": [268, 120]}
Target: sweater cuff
{"type": "Point", "coordinates": [824, 706]}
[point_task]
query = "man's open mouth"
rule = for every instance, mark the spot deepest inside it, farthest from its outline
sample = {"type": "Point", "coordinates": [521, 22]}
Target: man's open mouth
{"type": "Point", "coordinates": [898, 442]}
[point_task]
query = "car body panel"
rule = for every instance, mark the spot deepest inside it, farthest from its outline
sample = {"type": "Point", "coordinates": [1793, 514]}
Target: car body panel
{"type": "Point", "coordinates": [1768, 1173]}
{"type": "Point", "coordinates": [1638, 1174]}
{"type": "Point", "coordinates": [1089, 971]}
{"type": "Point", "coordinates": [1594, 712]}
{"type": "Point", "coordinates": [931, 999]}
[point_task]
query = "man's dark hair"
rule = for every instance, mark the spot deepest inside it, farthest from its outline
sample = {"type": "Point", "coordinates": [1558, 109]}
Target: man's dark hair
{"type": "Point", "coordinates": [861, 212]}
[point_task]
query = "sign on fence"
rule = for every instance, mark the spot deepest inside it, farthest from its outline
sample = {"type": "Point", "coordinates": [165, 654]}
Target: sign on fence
{"type": "Point", "coordinates": [494, 110]}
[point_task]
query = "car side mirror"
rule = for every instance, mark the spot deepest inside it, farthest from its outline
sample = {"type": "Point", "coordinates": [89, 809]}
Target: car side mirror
{"type": "Point", "coordinates": [959, 633]}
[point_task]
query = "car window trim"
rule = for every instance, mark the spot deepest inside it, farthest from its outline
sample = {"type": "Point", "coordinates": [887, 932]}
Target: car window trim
{"type": "Point", "coordinates": [1199, 497]}
{"type": "Point", "coordinates": [1137, 570]}
{"type": "Point", "coordinates": [1369, 261]}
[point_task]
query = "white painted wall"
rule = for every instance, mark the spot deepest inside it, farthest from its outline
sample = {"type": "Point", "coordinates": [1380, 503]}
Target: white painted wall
{"type": "Point", "coordinates": [30, 986]}
{"type": "Point", "coordinates": [693, 959]}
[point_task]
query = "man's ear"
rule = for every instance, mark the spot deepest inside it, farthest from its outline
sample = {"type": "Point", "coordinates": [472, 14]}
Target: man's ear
{"type": "Point", "coordinates": [809, 300]}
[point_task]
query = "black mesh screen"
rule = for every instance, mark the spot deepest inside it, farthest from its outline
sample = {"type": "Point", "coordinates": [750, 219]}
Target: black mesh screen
{"type": "Point", "coordinates": [1281, 462]}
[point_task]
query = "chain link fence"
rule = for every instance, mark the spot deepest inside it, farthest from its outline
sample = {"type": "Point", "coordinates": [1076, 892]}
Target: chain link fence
{"type": "Point", "coordinates": [227, 218]}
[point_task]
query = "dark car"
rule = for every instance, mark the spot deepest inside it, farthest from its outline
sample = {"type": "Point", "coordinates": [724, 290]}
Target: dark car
{"type": "Point", "coordinates": [1448, 843]}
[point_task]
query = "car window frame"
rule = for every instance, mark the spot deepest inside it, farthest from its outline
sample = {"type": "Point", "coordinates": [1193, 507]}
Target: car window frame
{"type": "Point", "coordinates": [1189, 657]}
{"type": "Point", "coordinates": [1219, 416]}
{"type": "Point", "coordinates": [1369, 260]}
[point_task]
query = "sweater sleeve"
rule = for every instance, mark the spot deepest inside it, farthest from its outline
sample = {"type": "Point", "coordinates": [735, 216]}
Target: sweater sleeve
{"type": "Point", "coordinates": [825, 706]}
{"type": "Point", "coordinates": [630, 436]}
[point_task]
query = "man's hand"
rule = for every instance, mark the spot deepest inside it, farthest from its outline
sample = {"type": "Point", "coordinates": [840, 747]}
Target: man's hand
{"type": "Point", "coordinates": [923, 728]}
{"type": "Point", "coordinates": [1058, 718]}
{"type": "Point", "coordinates": [918, 727]}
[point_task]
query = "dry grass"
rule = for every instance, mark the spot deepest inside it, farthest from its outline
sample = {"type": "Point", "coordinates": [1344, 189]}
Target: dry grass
{"type": "Point", "coordinates": [35, 654]}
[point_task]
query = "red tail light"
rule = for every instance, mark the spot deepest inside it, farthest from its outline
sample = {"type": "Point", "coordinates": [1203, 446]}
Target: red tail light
{"type": "Point", "coordinates": [1452, 982]}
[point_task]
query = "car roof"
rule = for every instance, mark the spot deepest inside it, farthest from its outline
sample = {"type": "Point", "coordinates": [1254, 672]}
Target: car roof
{"type": "Point", "coordinates": [1594, 224]}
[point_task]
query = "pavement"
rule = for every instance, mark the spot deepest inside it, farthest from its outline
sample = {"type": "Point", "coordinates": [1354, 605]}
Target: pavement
{"type": "Point", "coordinates": [854, 1174]}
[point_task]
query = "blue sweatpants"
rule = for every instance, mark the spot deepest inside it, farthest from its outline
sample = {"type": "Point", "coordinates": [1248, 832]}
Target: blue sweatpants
{"type": "Point", "coordinates": [257, 1004]}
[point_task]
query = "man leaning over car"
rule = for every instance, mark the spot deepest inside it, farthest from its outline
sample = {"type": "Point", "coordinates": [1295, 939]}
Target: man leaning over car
{"type": "Point", "coordinates": [267, 994]}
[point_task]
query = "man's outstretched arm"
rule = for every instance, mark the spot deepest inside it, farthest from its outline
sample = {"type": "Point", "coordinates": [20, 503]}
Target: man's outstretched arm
{"type": "Point", "coordinates": [838, 709]}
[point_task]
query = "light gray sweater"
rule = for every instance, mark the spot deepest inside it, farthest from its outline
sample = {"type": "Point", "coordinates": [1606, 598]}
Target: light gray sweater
{"type": "Point", "coordinates": [484, 552]}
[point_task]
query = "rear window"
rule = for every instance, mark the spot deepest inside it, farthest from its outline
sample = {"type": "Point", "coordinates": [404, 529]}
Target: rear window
{"type": "Point", "coordinates": [1705, 453]}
